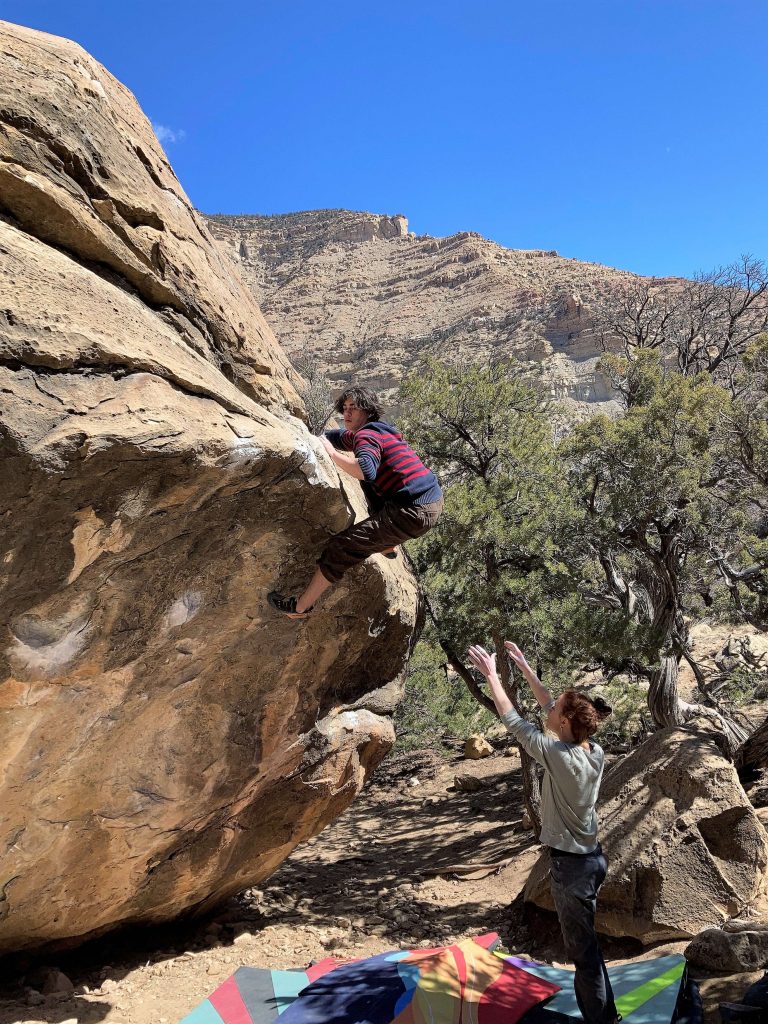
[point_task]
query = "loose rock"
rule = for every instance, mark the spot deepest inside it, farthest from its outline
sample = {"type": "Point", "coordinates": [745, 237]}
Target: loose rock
{"type": "Point", "coordinates": [57, 983]}
{"type": "Point", "coordinates": [716, 950]}
{"type": "Point", "coordinates": [466, 783]}
{"type": "Point", "coordinates": [476, 747]}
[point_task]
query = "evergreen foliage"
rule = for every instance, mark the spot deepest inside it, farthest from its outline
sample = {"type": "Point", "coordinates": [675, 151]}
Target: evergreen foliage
{"type": "Point", "coordinates": [599, 549]}
{"type": "Point", "coordinates": [492, 566]}
{"type": "Point", "coordinates": [436, 706]}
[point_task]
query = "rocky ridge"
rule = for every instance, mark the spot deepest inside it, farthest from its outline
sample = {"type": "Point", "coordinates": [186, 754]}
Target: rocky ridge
{"type": "Point", "coordinates": [365, 298]}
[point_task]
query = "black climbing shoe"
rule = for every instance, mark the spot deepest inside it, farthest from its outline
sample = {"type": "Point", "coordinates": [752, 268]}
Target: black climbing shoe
{"type": "Point", "coordinates": [285, 605]}
{"type": "Point", "coordinates": [389, 554]}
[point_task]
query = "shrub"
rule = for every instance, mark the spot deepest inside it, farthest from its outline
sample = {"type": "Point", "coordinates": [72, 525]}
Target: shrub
{"type": "Point", "coordinates": [437, 704]}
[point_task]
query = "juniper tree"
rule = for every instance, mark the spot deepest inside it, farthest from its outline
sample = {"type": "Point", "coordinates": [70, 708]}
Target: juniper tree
{"type": "Point", "coordinates": [490, 568]}
{"type": "Point", "coordinates": [663, 498]}
{"type": "Point", "coordinates": [745, 571]}
{"type": "Point", "coordinates": [711, 332]}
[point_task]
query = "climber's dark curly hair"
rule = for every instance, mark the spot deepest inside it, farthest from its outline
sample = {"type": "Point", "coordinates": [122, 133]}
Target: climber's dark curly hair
{"type": "Point", "coordinates": [363, 398]}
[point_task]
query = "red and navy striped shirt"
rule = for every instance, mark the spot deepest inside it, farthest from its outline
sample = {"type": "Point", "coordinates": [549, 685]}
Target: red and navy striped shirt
{"type": "Point", "coordinates": [391, 468]}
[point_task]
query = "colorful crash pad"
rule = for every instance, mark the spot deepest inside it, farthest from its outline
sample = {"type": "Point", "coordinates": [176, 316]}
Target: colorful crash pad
{"type": "Point", "coordinates": [646, 991]}
{"type": "Point", "coordinates": [445, 985]}
{"type": "Point", "coordinates": [256, 996]}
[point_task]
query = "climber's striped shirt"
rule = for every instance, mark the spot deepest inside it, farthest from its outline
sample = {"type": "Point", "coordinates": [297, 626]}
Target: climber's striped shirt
{"type": "Point", "coordinates": [391, 468]}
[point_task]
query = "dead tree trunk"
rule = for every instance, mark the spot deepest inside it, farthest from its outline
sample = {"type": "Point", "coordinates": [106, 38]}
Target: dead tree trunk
{"type": "Point", "coordinates": [663, 698]}
{"type": "Point", "coordinates": [664, 701]}
{"type": "Point", "coordinates": [531, 784]}
{"type": "Point", "coordinates": [653, 596]}
{"type": "Point", "coordinates": [531, 791]}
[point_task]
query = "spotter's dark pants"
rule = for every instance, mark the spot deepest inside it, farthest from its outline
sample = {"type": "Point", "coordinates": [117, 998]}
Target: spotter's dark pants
{"type": "Point", "coordinates": [574, 880]}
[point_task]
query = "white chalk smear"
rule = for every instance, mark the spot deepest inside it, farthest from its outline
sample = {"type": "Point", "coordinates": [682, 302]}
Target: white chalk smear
{"type": "Point", "coordinates": [183, 609]}
{"type": "Point", "coordinates": [36, 655]}
{"type": "Point", "coordinates": [312, 468]}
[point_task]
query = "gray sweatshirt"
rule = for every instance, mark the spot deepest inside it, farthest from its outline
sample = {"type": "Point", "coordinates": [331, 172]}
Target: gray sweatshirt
{"type": "Point", "coordinates": [572, 777]}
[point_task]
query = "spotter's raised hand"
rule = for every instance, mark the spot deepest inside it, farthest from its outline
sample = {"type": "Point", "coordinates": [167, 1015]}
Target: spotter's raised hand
{"type": "Point", "coordinates": [515, 654]}
{"type": "Point", "coordinates": [482, 660]}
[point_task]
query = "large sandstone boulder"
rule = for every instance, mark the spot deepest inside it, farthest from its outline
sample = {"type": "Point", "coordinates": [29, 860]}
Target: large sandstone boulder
{"type": "Point", "coordinates": [165, 739]}
{"type": "Point", "coordinates": [81, 170]}
{"type": "Point", "coordinates": [685, 848]}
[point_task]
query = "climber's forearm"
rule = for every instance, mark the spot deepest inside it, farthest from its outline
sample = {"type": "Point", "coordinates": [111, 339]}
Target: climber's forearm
{"type": "Point", "coordinates": [345, 461]}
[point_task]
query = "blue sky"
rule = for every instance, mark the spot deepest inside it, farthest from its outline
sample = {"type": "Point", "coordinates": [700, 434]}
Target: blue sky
{"type": "Point", "coordinates": [629, 132]}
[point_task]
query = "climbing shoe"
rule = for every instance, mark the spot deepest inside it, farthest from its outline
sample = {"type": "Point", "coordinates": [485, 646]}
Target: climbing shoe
{"type": "Point", "coordinates": [285, 605]}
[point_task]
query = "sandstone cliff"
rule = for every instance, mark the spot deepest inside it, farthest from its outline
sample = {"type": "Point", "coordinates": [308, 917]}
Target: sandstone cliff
{"type": "Point", "coordinates": [365, 298]}
{"type": "Point", "coordinates": [165, 739]}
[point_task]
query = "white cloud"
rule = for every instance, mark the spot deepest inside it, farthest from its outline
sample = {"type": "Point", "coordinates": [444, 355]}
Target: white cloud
{"type": "Point", "coordinates": [166, 134]}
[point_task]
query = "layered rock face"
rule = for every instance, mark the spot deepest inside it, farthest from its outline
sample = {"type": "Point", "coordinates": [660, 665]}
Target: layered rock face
{"type": "Point", "coordinates": [165, 738]}
{"type": "Point", "coordinates": [366, 299]}
{"type": "Point", "coordinates": [752, 762]}
{"type": "Point", "coordinates": [684, 846]}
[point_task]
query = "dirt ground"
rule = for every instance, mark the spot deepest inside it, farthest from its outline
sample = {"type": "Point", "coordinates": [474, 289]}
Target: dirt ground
{"type": "Point", "coordinates": [367, 884]}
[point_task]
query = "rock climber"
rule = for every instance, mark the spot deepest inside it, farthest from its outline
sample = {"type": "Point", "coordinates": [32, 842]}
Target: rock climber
{"type": "Point", "coordinates": [404, 497]}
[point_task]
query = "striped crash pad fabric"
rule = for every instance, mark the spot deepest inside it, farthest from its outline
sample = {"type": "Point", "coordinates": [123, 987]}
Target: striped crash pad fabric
{"type": "Point", "coordinates": [255, 996]}
{"type": "Point", "coordinates": [646, 991]}
{"type": "Point", "coordinates": [447, 985]}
